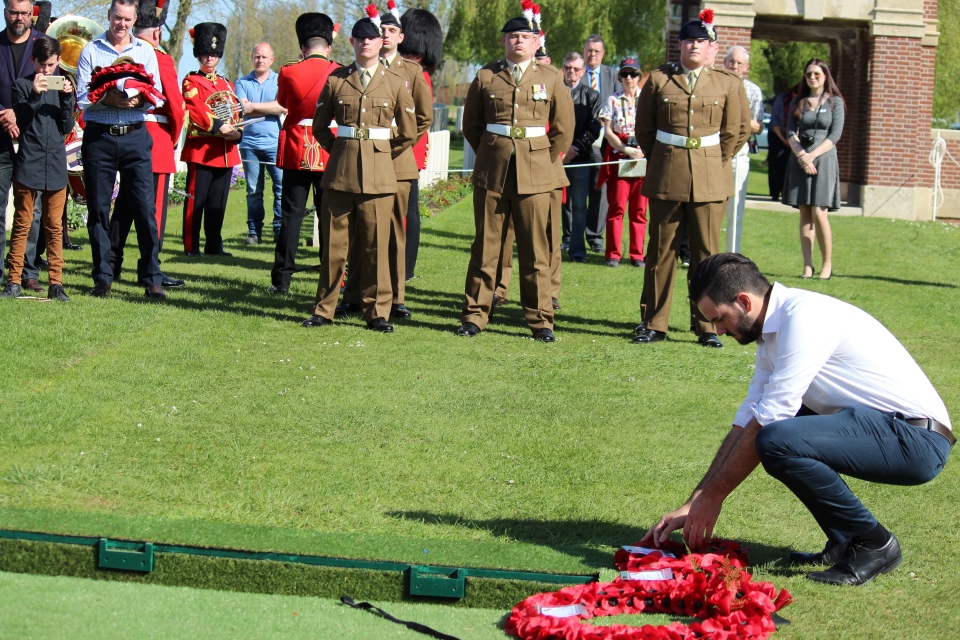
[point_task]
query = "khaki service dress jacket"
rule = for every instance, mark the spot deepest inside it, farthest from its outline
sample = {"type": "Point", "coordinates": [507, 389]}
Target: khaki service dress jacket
{"type": "Point", "coordinates": [539, 99]}
{"type": "Point", "coordinates": [363, 165]}
{"type": "Point", "coordinates": [680, 174]}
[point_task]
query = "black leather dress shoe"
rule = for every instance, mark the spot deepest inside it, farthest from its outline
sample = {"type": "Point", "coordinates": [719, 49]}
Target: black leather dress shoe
{"type": "Point", "coordinates": [72, 247]}
{"type": "Point", "coordinates": [100, 290]}
{"type": "Point", "coordinates": [831, 555]}
{"type": "Point", "coordinates": [399, 311]}
{"type": "Point", "coordinates": [710, 340]}
{"type": "Point", "coordinates": [544, 335]}
{"type": "Point", "coordinates": [57, 293]}
{"type": "Point", "coordinates": [221, 252]}
{"type": "Point", "coordinates": [316, 321]}
{"type": "Point", "coordinates": [278, 290]}
{"type": "Point", "coordinates": [861, 565]}
{"type": "Point", "coordinates": [380, 325]}
{"type": "Point", "coordinates": [171, 283]}
{"type": "Point", "coordinates": [346, 309]}
{"type": "Point", "coordinates": [11, 290]}
{"type": "Point", "coordinates": [468, 330]}
{"type": "Point", "coordinates": [498, 300]}
{"type": "Point", "coordinates": [556, 304]}
{"type": "Point", "coordinates": [155, 291]}
{"type": "Point", "coordinates": [193, 254]}
{"type": "Point", "coordinates": [649, 335]}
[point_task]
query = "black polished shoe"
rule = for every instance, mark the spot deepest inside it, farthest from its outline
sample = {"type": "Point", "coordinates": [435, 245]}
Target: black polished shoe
{"type": "Point", "coordinates": [399, 311]}
{"type": "Point", "coordinates": [579, 259]}
{"type": "Point", "coordinates": [612, 263]}
{"type": "Point", "coordinates": [316, 321]}
{"type": "Point", "coordinates": [193, 254]}
{"type": "Point", "coordinates": [596, 246]}
{"type": "Point", "coordinates": [278, 290]}
{"type": "Point", "coordinates": [831, 555]}
{"type": "Point", "coordinates": [219, 252]}
{"type": "Point", "coordinates": [544, 335]}
{"type": "Point", "coordinates": [640, 328]}
{"type": "Point", "coordinates": [649, 335]}
{"type": "Point", "coordinates": [860, 565]}
{"type": "Point", "coordinates": [638, 263]}
{"type": "Point", "coordinates": [171, 283]}
{"type": "Point", "coordinates": [468, 330]}
{"type": "Point", "coordinates": [72, 247]}
{"type": "Point", "coordinates": [12, 290]}
{"type": "Point", "coordinates": [498, 300]}
{"type": "Point", "coordinates": [710, 340]}
{"type": "Point", "coordinates": [100, 290]}
{"type": "Point", "coordinates": [57, 293]}
{"type": "Point", "coordinates": [555, 303]}
{"type": "Point", "coordinates": [154, 291]}
{"type": "Point", "coordinates": [346, 309]}
{"type": "Point", "coordinates": [380, 325]}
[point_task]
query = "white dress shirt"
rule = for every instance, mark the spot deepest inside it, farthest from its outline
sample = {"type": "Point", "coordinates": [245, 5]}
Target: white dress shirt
{"type": "Point", "coordinates": [829, 355]}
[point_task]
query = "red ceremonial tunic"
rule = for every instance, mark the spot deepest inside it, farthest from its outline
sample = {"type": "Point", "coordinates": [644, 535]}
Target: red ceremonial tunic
{"type": "Point", "coordinates": [422, 146]}
{"type": "Point", "coordinates": [203, 146]}
{"type": "Point", "coordinates": [298, 88]}
{"type": "Point", "coordinates": [166, 134]}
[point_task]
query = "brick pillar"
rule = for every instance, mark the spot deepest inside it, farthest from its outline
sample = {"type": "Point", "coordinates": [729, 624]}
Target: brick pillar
{"type": "Point", "coordinates": [897, 132]}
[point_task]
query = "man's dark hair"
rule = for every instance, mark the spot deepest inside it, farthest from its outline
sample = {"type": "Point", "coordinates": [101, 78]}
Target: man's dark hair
{"type": "Point", "coordinates": [315, 43]}
{"type": "Point", "coordinates": [723, 276]}
{"type": "Point", "coordinates": [595, 38]}
{"type": "Point", "coordinates": [126, 3]}
{"type": "Point", "coordinates": [44, 48]}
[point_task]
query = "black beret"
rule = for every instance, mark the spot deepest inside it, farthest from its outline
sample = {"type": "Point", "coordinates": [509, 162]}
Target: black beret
{"type": "Point", "coordinates": [366, 28]}
{"type": "Point", "coordinates": [314, 25]}
{"type": "Point", "coordinates": [390, 19]}
{"type": "Point", "coordinates": [518, 24]}
{"type": "Point", "coordinates": [209, 39]}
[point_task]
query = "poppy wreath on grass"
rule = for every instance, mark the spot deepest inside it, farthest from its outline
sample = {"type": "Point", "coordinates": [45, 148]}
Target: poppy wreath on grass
{"type": "Point", "coordinates": [712, 587]}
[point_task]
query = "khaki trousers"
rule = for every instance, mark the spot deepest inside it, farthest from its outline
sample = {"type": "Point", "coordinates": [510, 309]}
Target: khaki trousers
{"type": "Point", "coordinates": [505, 270]}
{"type": "Point", "coordinates": [530, 215]}
{"type": "Point", "coordinates": [397, 252]}
{"type": "Point", "coordinates": [702, 221]}
{"type": "Point", "coordinates": [366, 220]}
{"type": "Point", "coordinates": [52, 220]}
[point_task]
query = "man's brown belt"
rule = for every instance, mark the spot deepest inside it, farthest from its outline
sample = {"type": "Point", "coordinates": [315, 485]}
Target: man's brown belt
{"type": "Point", "coordinates": [933, 425]}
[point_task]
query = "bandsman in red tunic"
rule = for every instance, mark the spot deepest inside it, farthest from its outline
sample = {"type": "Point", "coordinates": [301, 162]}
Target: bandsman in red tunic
{"type": "Point", "coordinates": [299, 154]}
{"type": "Point", "coordinates": [164, 125]}
{"type": "Point", "coordinates": [211, 147]}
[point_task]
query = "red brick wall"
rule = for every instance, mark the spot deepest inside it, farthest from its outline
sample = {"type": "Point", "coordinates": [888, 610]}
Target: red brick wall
{"type": "Point", "coordinates": [900, 103]}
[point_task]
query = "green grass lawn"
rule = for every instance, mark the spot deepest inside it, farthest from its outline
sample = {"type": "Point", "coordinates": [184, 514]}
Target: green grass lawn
{"type": "Point", "coordinates": [215, 419]}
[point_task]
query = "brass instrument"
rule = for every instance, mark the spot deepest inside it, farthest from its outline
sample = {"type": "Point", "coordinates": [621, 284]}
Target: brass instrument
{"type": "Point", "coordinates": [73, 33]}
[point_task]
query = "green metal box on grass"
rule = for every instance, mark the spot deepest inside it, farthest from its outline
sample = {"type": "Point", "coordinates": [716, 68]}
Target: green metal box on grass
{"type": "Point", "coordinates": [125, 556]}
{"type": "Point", "coordinates": [427, 582]}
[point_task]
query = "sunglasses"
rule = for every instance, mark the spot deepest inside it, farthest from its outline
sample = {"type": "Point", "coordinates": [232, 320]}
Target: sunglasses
{"type": "Point", "coordinates": [630, 74]}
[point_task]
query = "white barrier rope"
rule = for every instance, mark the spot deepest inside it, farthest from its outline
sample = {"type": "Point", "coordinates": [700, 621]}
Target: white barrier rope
{"type": "Point", "coordinates": [462, 170]}
{"type": "Point", "coordinates": [937, 154]}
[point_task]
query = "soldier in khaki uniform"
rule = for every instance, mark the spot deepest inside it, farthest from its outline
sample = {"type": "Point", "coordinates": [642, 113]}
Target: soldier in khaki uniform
{"type": "Point", "coordinates": [407, 172]}
{"type": "Point", "coordinates": [506, 116]}
{"type": "Point", "coordinates": [688, 135]}
{"type": "Point", "coordinates": [360, 182]}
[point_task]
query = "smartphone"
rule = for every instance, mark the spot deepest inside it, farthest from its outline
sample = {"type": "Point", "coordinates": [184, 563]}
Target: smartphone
{"type": "Point", "coordinates": [55, 83]}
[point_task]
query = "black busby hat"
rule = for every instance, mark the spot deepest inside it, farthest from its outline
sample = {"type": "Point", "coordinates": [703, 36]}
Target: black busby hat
{"type": "Point", "coordinates": [422, 36]}
{"type": "Point", "coordinates": [42, 10]}
{"type": "Point", "coordinates": [368, 27]}
{"type": "Point", "coordinates": [314, 25]}
{"type": "Point", "coordinates": [700, 29]}
{"type": "Point", "coordinates": [151, 14]}
{"type": "Point", "coordinates": [209, 39]}
{"type": "Point", "coordinates": [392, 16]}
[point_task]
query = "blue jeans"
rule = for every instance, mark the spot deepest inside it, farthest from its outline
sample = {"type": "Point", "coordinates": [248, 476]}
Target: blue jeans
{"type": "Point", "coordinates": [809, 453]}
{"type": "Point", "coordinates": [577, 194]}
{"type": "Point", "coordinates": [254, 175]}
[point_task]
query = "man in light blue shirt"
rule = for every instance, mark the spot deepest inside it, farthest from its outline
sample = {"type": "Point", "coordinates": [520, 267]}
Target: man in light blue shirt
{"type": "Point", "coordinates": [258, 148]}
{"type": "Point", "coordinates": [116, 140]}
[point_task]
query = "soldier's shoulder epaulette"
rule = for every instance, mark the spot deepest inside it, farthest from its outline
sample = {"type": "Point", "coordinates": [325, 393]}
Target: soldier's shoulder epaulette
{"type": "Point", "coordinates": [494, 66]}
{"type": "Point", "coordinates": [342, 72]}
{"type": "Point", "coordinates": [727, 72]}
{"type": "Point", "coordinates": [668, 68]}
{"type": "Point", "coordinates": [547, 68]}
{"type": "Point", "coordinates": [291, 63]}
{"type": "Point", "coordinates": [410, 65]}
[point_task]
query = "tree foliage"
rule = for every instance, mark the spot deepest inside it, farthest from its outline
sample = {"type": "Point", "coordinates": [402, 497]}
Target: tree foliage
{"type": "Point", "coordinates": [634, 28]}
{"type": "Point", "coordinates": [946, 84]}
{"type": "Point", "coordinates": [776, 66]}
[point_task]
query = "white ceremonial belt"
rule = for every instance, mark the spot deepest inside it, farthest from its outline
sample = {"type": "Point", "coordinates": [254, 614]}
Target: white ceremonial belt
{"type": "Point", "coordinates": [516, 132]}
{"type": "Point", "coordinates": [688, 143]}
{"type": "Point", "coordinates": [155, 117]}
{"type": "Point", "coordinates": [308, 122]}
{"type": "Point", "coordinates": [372, 133]}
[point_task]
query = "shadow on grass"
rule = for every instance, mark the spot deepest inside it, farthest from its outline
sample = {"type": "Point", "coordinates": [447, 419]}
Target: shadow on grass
{"type": "Point", "coordinates": [841, 277]}
{"type": "Point", "coordinates": [586, 539]}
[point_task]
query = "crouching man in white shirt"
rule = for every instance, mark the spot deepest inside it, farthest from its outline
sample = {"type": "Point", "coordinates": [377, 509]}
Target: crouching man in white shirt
{"type": "Point", "coordinates": [834, 393]}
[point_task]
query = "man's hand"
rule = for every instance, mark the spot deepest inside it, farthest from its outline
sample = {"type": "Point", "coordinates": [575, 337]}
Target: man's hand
{"type": "Point", "coordinates": [667, 524]}
{"type": "Point", "coordinates": [570, 155]}
{"type": "Point", "coordinates": [8, 122]}
{"type": "Point", "coordinates": [228, 132]}
{"type": "Point", "coordinates": [39, 83]}
{"type": "Point", "coordinates": [119, 99]}
{"type": "Point", "coordinates": [701, 517]}
{"type": "Point", "coordinates": [67, 86]}
{"type": "Point", "coordinates": [248, 107]}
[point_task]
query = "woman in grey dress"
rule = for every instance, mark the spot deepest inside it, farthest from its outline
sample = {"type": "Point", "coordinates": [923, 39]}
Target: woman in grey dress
{"type": "Point", "coordinates": [813, 174]}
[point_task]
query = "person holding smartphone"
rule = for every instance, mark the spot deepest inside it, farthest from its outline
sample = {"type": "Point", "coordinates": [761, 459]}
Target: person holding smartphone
{"type": "Point", "coordinates": [43, 105]}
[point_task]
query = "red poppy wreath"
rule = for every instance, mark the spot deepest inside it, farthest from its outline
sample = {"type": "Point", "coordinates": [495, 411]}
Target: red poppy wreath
{"type": "Point", "coordinates": [712, 587]}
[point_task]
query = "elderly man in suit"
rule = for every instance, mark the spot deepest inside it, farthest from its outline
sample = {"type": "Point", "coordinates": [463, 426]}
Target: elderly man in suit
{"type": "Point", "coordinates": [518, 117]}
{"type": "Point", "coordinates": [689, 125]}
{"type": "Point", "coordinates": [16, 45]}
{"type": "Point", "coordinates": [604, 80]}
{"type": "Point", "coordinates": [360, 183]}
